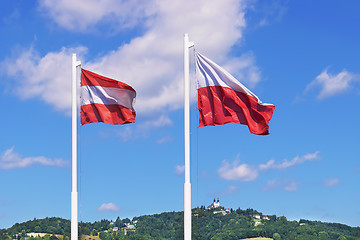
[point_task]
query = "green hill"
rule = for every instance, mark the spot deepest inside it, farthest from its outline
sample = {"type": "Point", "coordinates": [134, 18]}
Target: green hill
{"type": "Point", "coordinates": [207, 224]}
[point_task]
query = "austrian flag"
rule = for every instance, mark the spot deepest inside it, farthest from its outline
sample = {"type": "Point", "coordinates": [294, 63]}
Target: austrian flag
{"type": "Point", "coordinates": [223, 99]}
{"type": "Point", "coordinates": [105, 100]}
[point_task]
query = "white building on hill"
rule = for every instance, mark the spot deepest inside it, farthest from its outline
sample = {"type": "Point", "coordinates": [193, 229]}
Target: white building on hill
{"type": "Point", "coordinates": [215, 204]}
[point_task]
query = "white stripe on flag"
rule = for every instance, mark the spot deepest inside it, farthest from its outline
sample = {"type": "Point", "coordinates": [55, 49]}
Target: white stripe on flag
{"type": "Point", "coordinates": [107, 96]}
{"type": "Point", "coordinates": [214, 75]}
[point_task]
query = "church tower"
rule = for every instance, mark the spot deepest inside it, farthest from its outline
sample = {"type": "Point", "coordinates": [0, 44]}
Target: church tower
{"type": "Point", "coordinates": [217, 203]}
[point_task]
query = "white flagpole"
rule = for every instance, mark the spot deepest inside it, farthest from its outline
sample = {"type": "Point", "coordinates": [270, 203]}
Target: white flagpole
{"type": "Point", "coordinates": [187, 185]}
{"type": "Point", "coordinates": [74, 193]}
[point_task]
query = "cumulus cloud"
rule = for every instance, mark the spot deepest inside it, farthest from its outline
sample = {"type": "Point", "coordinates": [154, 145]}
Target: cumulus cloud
{"type": "Point", "coordinates": [10, 159]}
{"type": "Point", "coordinates": [332, 84]}
{"type": "Point", "coordinates": [47, 78]}
{"type": "Point", "coordinates": [286, 163]}
{"type": "Point", "coordinates": [82, 15]}
{"type": "Point", "coordinates": [108, 207]}
{"type": "Point", "coordinates": [237, 171]}
{"type": "Point", "coordinates": [152, 63]}
{"type": "Point", "coordinates": [245, 172]}
{"type": "Point", "coordinates": [331, 182]}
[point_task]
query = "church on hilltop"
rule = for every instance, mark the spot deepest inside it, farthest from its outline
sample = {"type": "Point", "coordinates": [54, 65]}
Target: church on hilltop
{"type": "Point", "coordinates": [215, 204]}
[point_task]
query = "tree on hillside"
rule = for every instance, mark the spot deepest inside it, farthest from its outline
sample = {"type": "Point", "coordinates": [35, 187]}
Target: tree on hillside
{"type": "Point", "coordinates": [323, 235]}
{"type": "Point", "coordinates": [276, 236]}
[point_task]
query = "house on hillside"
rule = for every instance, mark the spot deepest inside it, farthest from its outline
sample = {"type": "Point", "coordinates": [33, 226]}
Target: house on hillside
{"type": "Point", "coordinates": [129, 226]}
{"type": "Point", "coordinates": [221, 211]}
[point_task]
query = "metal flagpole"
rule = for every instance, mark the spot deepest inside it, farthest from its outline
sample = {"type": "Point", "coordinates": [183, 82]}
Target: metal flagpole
{"type": "Point", "coordinates": [187, 185]}
{"type": "Point", "coordinates": [74, 193]}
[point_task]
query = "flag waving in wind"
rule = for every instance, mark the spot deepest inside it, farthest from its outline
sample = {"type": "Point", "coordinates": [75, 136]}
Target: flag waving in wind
{"type": "Point", "coordinates": [105, 100]}
{"type": "Point", "coordinates": [223, 99]}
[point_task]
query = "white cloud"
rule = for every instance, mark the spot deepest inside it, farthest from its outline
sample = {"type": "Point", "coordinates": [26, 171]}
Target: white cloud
{"type": "Point", "coordinates": [237, 171]}
{"type": "Point", "coordinates": [10, 159]}
{"type": "Point", "coordinates": [179, 170]}
{"type": "Point", "coordinates": [108, 207]}
{"type": "Point", "coordinates": [331, 182]}
{"type": "Point", "coordinates": [286, 163]}
{"type": "Point", "coordinates": [151, 63]}
{"type": "Point", "coordinates": [47, 78]}
{"type": "Point", "coordinates": [332, 84]}
{"type": "Point", "coordinates": [245, 172]}
{"type": "Point", "coordinates": [82, 15]}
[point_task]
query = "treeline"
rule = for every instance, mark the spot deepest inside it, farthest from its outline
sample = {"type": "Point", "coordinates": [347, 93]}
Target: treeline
{"type": "Point", "coordinates": [47, 225]}
{"type": "Point", "coordinates": [207, 225]}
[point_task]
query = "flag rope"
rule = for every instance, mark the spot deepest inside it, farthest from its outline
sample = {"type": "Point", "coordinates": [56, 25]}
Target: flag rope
{"type": "Point", "coordinates": [80, 167]}
{"type": "Point", "coordinates": [195, 84]}
{"type": "Point", "coordinates": [197, 133]}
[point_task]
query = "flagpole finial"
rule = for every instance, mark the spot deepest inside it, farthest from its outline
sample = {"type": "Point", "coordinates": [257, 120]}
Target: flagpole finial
{"type": "Point", "coordinates": [186, 41]}
{"type": "Point", "coordinates": [75, 62]}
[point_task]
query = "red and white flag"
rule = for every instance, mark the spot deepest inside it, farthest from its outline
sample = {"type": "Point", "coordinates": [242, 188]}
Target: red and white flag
{"type": "Point", "coordinates": [105, 100]}
{"type": "Point", "coordinates": [223, 99]}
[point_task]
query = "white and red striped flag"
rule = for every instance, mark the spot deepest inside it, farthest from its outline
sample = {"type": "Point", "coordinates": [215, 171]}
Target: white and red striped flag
{"type": "Point", "coordinates": [223, 99]}
{"type": "Point", "coordinates": [105, 100]}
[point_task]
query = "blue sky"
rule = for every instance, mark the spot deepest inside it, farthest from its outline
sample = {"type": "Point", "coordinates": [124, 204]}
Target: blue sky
{"type": "Point", "coordinates": [302, 56]}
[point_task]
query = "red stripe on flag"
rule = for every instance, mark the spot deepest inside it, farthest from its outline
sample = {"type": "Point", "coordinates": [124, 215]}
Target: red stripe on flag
{"type": "Point", "coordinates": [220, 105]}
{"type": "Point", "coordinates": [93, 79]}
{"type": "Point", "coordinates": [111, 114]}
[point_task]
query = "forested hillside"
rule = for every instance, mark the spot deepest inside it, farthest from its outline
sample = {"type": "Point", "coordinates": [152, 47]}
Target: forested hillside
{"type": "Point", "coordinates": [211, 224]}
